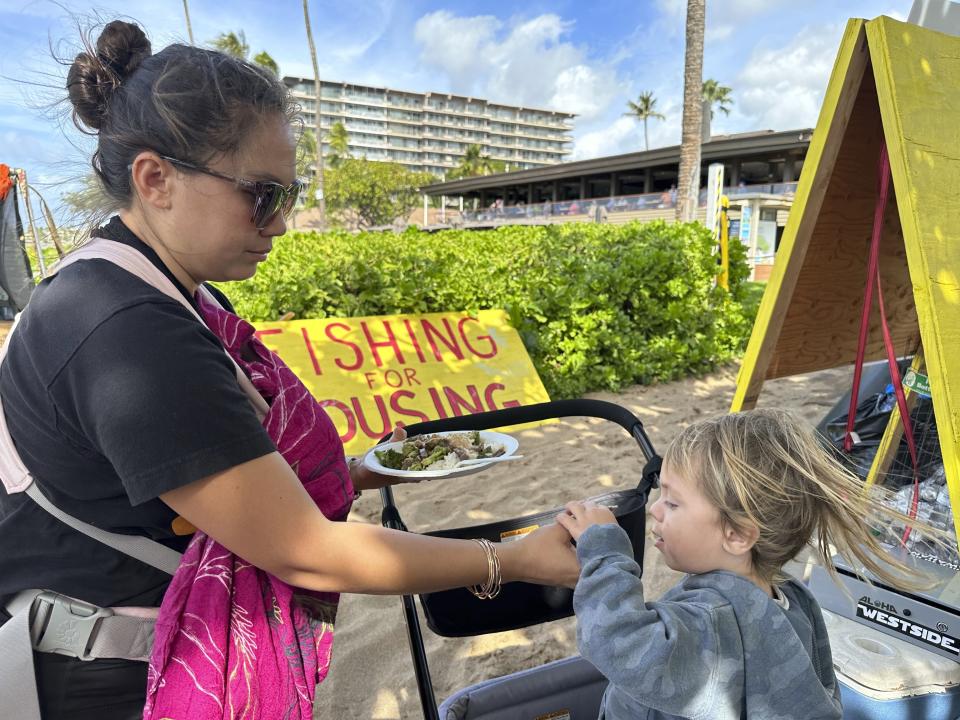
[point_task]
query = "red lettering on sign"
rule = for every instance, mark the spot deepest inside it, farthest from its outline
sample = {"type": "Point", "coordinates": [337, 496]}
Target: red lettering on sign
{"type": "Point", "coordinates": [362, 418]}
{"type": "Point", "coordinates": [450, 340]}
{"type": "Point", "coordinates": [357, 354]}
{"type": "Point", "coordinates": [347, 414]}
{"type": "Point", "coordinates": [466, 341]}
{"type": "Point", "coordinates": [458, 403]}
{"type": "Point", "coordinates": [437, 402]}
{"type": "Point", "coordinates": [491, 403]}
{"type": "Point", "coordinates": [414, 341]}
{"type": "Point", "coordinates": [270, 331]}
{"type": "Point", "coordinates": [395, 404]}
{"type": "Point", "coordinates": [411, 375]}
{"type": "Point", "coordinates": [363, 422]}
{"type": "Point", "coordinates": [313, 356]}
{"type": "Point", "coordinates": [374, 344]}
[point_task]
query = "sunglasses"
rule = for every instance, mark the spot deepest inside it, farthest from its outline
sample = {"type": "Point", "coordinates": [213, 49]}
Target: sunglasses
{"type": "Point", "coordinates": [269, 198]}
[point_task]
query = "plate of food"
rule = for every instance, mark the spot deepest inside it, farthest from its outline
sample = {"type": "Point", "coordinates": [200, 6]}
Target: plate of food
{"type": "Point", "coordinates": [440, 454]}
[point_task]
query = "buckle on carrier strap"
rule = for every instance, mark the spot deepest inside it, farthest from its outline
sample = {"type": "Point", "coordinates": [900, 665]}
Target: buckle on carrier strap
{"type": "Point", "coordinates": [65, 625]}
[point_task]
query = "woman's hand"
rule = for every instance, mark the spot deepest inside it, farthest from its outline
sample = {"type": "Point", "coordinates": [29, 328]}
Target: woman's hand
{"type": "Point", "coordinates": [544, 556]}
{"type": "Point", "coordinates": [578, 516]}
{"type": "Point", "coordinates": [365, 479]}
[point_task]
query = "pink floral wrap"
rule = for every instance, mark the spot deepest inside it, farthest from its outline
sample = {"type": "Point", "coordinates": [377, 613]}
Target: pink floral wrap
{"type": "Point", "coordinates": [233, 641]}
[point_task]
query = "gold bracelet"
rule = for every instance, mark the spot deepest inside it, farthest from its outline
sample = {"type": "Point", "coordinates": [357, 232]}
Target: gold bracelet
{"type": "Point", "coordinates": [491, 588]}
{"type": "Point", "coordinates": [483, 591]}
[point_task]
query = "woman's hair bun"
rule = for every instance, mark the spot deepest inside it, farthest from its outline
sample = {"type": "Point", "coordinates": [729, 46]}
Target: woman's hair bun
{"type": "Point", "coordinates": [122, 46]}
{"type": "Point", "coordinates": [97, 73]}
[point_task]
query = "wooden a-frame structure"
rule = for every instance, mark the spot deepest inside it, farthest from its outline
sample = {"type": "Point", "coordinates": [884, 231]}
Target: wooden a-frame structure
{"type": "Point", "coordinates": [897, 83]}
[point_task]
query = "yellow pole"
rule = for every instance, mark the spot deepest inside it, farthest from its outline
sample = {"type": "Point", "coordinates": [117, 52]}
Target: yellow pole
{"type": "Point", "coordinates": [724, 279]}
{"type": "Point", "coordinates": [893, 432]}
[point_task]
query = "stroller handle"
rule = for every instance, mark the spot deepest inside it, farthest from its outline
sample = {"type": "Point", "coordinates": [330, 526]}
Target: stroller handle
{"type": "Point", "coordinates": [537, 412]}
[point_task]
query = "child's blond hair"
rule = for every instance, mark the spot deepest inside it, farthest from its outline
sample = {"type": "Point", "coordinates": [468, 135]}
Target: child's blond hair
{"type": "Point", "coordinates": [768, 469]}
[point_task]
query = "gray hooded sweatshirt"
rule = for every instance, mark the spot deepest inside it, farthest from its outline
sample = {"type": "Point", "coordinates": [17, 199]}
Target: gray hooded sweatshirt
{"type": "Point", "coordinates": [714, 647]}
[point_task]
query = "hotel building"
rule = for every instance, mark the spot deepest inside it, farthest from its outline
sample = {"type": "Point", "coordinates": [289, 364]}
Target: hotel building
{"type": "Point", "coordinates": [430, 132]}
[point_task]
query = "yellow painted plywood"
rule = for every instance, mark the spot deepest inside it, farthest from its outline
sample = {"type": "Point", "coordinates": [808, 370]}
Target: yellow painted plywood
{"type": "Point", "coordinates": [918, 81]}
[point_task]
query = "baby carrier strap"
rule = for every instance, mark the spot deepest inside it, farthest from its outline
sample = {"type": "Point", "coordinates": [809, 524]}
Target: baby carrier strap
{"type": "Point", "coordinates": [50, 622]}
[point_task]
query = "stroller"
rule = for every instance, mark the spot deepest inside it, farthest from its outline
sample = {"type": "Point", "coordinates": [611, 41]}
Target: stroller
{"type": "Point", "coordinates": [567, 689]}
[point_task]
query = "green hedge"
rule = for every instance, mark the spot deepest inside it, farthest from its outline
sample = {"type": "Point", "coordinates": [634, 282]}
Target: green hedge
{"type": "Point", "coordinates": [598, 306]}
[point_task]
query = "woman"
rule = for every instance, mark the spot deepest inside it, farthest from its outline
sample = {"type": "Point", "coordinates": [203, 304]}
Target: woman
{"type": "Point", "coordinates": [129, 416]}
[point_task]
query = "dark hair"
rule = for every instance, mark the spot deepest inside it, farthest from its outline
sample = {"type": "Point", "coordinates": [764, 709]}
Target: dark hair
{"type": "Point", "coordinates": [186, 102]}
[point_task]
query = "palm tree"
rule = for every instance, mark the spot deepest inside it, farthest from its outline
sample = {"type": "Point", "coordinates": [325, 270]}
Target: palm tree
{"type": "Point", "coordinates": [264, 60]}
{"type": "Point", "coordinates": [474, 162]}
{"type": "Point", "coordinates": [306, 152]}
{"type": "Point", "coordinates": [643, 108]}
{"type": "Point", "coordinates": [186, 12]}
{"type": "Point", "coordinates": [717, 94]}
{"type": "Point", "coordinates": [318, 165]}
{"type": "Point", "coordinates": [232, 43]}
{"type": "Point", "coordinates": [339, 144]}
{"type": "Point", "coordinates": [235, 44]}
{"type": "Point", "coordinates": [688, 177]}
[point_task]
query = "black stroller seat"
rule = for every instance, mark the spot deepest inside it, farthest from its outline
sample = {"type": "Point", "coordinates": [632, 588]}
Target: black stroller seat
{"type": "Point", "coordinates": [457, 613]}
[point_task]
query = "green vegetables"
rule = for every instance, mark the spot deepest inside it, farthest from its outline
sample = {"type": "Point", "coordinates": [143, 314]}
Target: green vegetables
{"type": "Point", "coordinates": [437, 452]}
{"type": "Point", "coordinates": [389, 458]}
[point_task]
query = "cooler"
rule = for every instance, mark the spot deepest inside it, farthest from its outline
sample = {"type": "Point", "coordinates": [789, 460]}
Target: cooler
{"type": "Point", "coordinates": [883, 678]}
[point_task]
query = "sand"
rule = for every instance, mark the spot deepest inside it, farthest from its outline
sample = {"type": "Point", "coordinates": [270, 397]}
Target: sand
{"type": "Point", "coordinates": [372, 674]}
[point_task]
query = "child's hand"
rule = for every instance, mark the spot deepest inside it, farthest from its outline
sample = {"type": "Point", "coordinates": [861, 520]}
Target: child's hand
{"type": "Point", "coordinates": [578, 516]}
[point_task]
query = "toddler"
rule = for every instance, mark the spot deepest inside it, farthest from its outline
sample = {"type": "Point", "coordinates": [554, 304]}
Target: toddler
{"type": "Point", "coordinates": [740, 495]}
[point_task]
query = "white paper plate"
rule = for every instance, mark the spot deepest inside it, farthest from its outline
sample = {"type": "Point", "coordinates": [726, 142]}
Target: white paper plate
{"type": "Point", "coordinates": [508, 442]}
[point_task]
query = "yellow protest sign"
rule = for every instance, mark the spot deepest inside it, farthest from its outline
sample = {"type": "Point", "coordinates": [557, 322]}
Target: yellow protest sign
{"type": "Point", "coordinates": [373, 372]}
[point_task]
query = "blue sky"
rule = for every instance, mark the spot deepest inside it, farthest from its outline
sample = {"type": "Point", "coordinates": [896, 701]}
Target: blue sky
{"type": "Point", "coordinates": [587, 58]}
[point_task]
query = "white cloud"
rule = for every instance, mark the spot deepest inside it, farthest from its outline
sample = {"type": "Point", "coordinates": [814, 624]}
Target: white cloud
{"type": "Point", "coordinates": [740, 9]}
{"type": "Point", "coordinates": [666, 132]}
{"type": "Point", "coordinates": [523, 62]}
{"type": "Point", "coordinates": [779, 84]}
{"type": "Point", "coordinates": [348, 29]}
{"type": "Point", "coordinates": [584, 91]}
{"type": "Point", "coordinates": [622, 136]}
{"type": "Point", "coordinates": [723, 18]}
{"type": "Point", "coordinates": [456, 45]}
{"type": "Point", "coordinates": [672, 8]}
{"type": "Point", "coordinates": [718, 32]}
{"type": "Point", "coordinates": [783, 88]}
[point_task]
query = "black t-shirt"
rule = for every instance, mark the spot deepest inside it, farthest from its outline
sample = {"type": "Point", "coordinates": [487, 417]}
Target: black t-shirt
{"type": "Point", "coordinates": [114, 394]}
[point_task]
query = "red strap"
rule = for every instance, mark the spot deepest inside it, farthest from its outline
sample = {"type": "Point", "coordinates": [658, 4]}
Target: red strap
{"type": "Point", "coordinates": [902, 406]}
{"type": "Point", "coordinates": [873, 278]}
{"type": "Point", "coordinates": [873, 268]}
